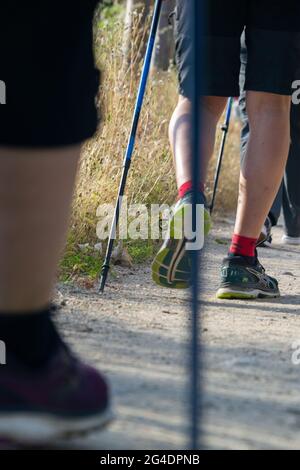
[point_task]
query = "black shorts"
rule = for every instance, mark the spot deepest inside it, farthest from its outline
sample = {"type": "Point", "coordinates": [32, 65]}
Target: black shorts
{"type": "Point", "coordinates": [273, 41]}
{"type": "Point", "coordinates": [47, 66]}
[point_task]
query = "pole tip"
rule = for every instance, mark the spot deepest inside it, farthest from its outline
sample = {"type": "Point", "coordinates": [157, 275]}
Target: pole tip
{"type": "Point", "coordinates": [103, 279]}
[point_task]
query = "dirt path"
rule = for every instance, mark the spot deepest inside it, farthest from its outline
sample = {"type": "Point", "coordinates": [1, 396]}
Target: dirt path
{"type": "Point", "coordinates": [137, 334]}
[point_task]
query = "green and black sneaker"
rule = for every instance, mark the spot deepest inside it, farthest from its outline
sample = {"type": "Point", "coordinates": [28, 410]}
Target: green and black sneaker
{"type": "Point", "coordinates": [172, 265]}
{"type": "Point", "coordinates": [245, 278]}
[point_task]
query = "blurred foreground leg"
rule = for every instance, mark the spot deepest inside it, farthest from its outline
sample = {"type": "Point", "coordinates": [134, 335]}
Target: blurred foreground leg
{"type": "Point", "coordinates": [36, 188]}
{"type": "Point", "coordinates": [45, 392]}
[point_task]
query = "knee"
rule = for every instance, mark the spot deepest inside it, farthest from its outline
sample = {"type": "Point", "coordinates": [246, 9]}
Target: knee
{"type": "Point", "coordinates": [184, 105]}
{"type": "Point", "coordinates": [273, 105]}
{"type": "Point", "coordinates": [213, 106]}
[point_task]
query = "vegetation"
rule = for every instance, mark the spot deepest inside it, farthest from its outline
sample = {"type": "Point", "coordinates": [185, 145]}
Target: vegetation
{"type": "Point", "coordinates": [151, 179]}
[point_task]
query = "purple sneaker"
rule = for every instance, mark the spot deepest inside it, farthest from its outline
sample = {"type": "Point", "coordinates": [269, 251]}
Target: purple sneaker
{"type": "Point", "coordinates": [65, 398]}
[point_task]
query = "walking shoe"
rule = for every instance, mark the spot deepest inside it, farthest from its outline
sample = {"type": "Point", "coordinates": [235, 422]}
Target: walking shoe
{"type": "Point", "coordinates": [290, 240]}
{"type": "Point", "coordinates": [245, 278]}
{"type": "Point", "coordinates": [172, 264]}
{"type": "Point", "coordinates": [265, 238]}
{"type": "Point", "coordinates": [63, 399]}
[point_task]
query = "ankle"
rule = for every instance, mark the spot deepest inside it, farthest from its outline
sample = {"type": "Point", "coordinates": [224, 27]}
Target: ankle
{"type": "Point", "coordinates": [31, 337]}
{"type": "Point", "coordinates": [243, 246]}
{"type": "Point", "coordinates": [187, 187]}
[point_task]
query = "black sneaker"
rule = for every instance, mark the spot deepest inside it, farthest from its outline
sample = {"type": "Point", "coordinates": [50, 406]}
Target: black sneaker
{"type": "Point", "coordinates": [245, 278]}
{"type": "Point", "coordinates": [65, 398]}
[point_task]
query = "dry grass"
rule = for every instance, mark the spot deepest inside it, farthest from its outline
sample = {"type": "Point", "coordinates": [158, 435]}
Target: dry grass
{"type": "Point", "coordinates": [151, 178]}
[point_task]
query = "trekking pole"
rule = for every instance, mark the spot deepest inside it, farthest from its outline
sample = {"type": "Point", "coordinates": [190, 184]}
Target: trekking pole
{"type": "Point", "coordinates": [225, 129]}
{"type": "Point", "coordinates": [131, 141]}
{"type": "Point", "coordinates": [194, 368]}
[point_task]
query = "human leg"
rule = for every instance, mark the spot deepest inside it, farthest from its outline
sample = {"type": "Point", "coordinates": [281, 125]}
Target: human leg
{"type": "Point", "coordinates": [171, 266]}
{"type": "Point", "coordinates": [266, 157]}
{"type": "Point", "coordinates": [45, 392]}
{"type": "Point", "coordinates": [274, 214]}
{"type": "Point", "coordinates": [291, 198]}
{"type": "Point", "coordinates": [268, 86]}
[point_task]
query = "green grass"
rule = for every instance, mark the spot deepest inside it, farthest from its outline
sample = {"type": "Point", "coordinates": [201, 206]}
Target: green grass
{"type": "Point", "coordinates": [87, 263]}
{"type": "Point", "coordinates": [109, 14]}
{"type": "Point", "coordinates": [141, 251]}
{"type": "Point", "coordinates": [78, 263]}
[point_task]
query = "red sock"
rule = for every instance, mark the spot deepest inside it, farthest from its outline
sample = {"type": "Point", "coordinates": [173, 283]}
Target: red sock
{"type": "Point", "coordinates": [187, 187]}
{"type": "Point", "coordinates": [243, 246]}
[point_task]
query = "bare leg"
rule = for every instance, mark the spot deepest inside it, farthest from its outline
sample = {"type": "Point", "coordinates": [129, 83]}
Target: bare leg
{"type": "Point", "coordinates": [171, 266]}
{"type": "Point", "coordinates": [265, 160]}
{"type": "Point", "coordinates": [180, 135]}
{"type": "Point", "coordinates": [36, 188]}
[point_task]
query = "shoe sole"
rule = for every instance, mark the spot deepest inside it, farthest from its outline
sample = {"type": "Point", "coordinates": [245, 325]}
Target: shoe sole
{"type": "Point", "coordinates": [37, 428]}
{"type": "Point", "coordinates": [171, 267]}
{"type": "Point", "coordinates": [231, 294]}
